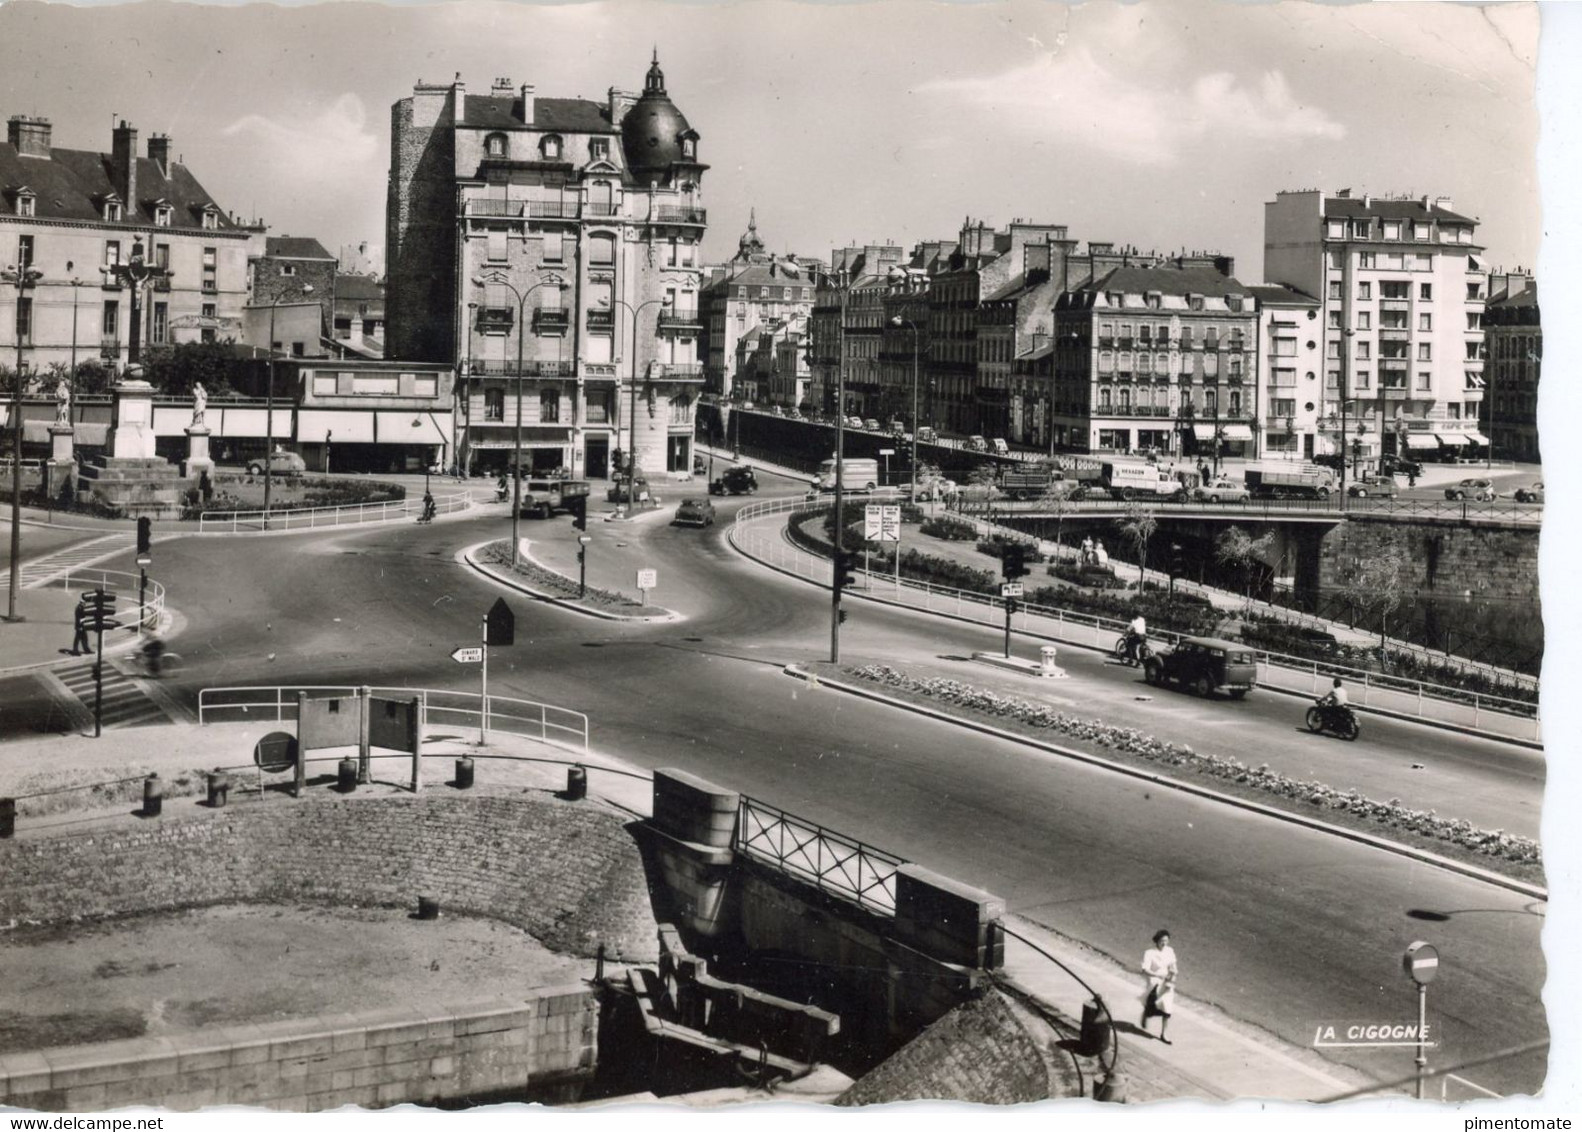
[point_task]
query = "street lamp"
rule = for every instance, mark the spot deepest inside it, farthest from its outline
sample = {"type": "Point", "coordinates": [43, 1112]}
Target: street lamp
{"type": "Point", "coordinates": [71, 376]}
{"type": "Point", "coordinates": [1345, 375]}
{"type": "Point", "coordinates": [631, 451]}
{"type": "Point", "coordinates": [897, 320]}
{"type": "Point", "coordinates": [23, 277]}
{"type": "Point", "coordinates": [498, 279]}
{"type": "Point", "coordinates": [269, 407]}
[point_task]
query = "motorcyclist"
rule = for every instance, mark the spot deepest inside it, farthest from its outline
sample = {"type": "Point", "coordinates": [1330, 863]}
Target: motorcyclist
{"type": "Point", "coordinates": [1336, 700]}
{"type": "Point", "coordinates": [1136, 636]}
{"type": "Point", "coordinates": [428, 506]}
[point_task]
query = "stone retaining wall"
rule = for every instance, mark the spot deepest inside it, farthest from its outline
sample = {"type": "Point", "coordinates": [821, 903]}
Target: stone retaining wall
{"type": "Point", "coordinates": [540, 1047]}
{"type": "Point", "coordinates": [567, 873]}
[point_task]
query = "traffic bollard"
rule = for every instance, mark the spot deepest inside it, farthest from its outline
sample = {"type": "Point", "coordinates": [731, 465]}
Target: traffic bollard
{"type": "Point", "coordinates": [576, 783]}
{"type": "Point", "coordinates": [464, 773]}
{"type": "Point", "coordinates": [219, 788]}
{"type": "Point", "coordinates": [7, 818]}
{"type": "Point", "coordinates": [427, 908]}
{"type": "Point", "coordinates": [346, 776]}
{"type": "Point", "coordinates": [153, 796]}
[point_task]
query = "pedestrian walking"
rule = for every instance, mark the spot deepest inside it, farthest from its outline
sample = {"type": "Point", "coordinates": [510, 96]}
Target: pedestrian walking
{"type": "Point", "coordinates": [1411, 477]}
{"type": "Point", "coordinates": [205, 485]}
{"type": "Point", "coordinates": [1159, 994]}
{"type": "Point", "coordinates": [1087, 550]}
{"type": "Point", "coordinates": [79, 619]}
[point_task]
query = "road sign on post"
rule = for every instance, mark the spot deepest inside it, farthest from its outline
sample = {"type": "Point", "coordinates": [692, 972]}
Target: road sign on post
{"type": "Point", "coordinates": [499, 624]}
{"type": "Point", "coordinates": [881, 522]}
{"type": "Point", "coordinates": [647, 580]}
{"type": "Point", "coordinates": [471, 655]}
{"type": "Point", "coordinates": [1421, 963]}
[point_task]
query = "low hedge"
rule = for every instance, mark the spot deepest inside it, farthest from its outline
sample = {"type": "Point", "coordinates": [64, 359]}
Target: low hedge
{"type": "Point", "coordinates": [499, 554]}
{"type": "Point", "coordinates": [952, 530]}
{"type": "Point", "coordinates": [1291, 793]}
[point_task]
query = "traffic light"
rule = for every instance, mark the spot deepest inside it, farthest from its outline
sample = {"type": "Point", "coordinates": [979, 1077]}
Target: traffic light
{"type": "Point", "coordinates": [1177, 565]}
{"type": "Point", "coordinates": [842, 617]}
{"type": "Point", "coordinates": [579, 512]}
{"type": "Point", "coordinates": [1014, 561]}
{"type": "Point", "coordinates": [145, 535]}
{"type": "Point", "coordinates": [1011, 605]}
{"type": "Point", "coordinates": [845, 568]}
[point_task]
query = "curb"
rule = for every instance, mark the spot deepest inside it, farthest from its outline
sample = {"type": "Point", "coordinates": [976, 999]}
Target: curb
{"type": "Point", "coordinates": [1369, 839]}
{"type": "Point", "coordinates": [465, 556]}
{"type": "Point", "coordinates": [1494, 736]}
{"type": "Point", "coordinates": [166, 627]}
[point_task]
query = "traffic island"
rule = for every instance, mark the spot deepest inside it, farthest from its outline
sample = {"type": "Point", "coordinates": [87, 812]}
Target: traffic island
{"type": "Point", "coordinates": [1502, 858]}
{"type": "Point", "coordinates": [494, 560]}
{"type": "Point", "coordinates": [1044, 667]}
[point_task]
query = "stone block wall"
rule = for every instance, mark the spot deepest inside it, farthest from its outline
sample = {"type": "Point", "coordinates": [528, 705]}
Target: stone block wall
{"type": "Point", "coordinates": [540, 1047]}
{"type": "Point", "coordinates": [568, 874]}
{"type": "Point", "coordinates": [1449, 557]}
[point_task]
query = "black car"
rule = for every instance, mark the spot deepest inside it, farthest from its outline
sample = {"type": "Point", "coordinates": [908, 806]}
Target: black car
{"type": "Point", "coordinates": [735, 481]}
{"type": "Point", "coordinates": [1205, 665]}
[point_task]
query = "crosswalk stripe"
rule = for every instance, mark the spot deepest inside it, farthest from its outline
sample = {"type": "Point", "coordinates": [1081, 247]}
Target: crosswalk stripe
{"type": "Point", "coordinates": [122, 702]}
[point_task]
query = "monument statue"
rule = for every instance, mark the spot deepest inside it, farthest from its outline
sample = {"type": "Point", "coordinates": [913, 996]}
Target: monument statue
{"type": "Point", "coordinates": [62, 403]}
{"type": "Point", "coordinates": [200, 402]}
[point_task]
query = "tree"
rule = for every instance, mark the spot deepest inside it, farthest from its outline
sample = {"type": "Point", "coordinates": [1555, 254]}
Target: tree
{"type": "Point", "coordinates": [1139, 526]}
{"type": "Point", "coordinates": [1376, 584]}
{"type": "Point", "coordinates": [1236, 548]}
{"type": "Point", "coordinates": [172, 370]}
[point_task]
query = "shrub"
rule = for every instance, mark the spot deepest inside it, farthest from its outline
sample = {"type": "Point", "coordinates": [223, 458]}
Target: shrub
{"type": "Point", "coordinates": [945, 527]}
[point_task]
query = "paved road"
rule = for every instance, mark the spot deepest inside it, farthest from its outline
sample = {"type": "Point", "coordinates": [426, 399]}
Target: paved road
{"type": "Point", "coordinates": [1276, 925]}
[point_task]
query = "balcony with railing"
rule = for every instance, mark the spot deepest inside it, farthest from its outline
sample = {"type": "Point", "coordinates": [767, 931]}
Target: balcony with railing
{"type": "Point", "coordinates": [491, 367]}
{"type": "Point", "coordinates": [599, 371]}
{"type": "Point", "coordinates": [680, 318]}
{"type": "Point", "coordinates": [601, 318]}
{"type": "Point", "coordinates": [681, 371]}
{"type": "Point", "coordinates": [680, 214]}
{"type": "Point", "coordinates": [554, 209]}
{"type": "Point", "coordinates": [496, 319]}
{"type": "Point", "coordinates": [603, 208]}
{"type": "Point", "coordinates": [489, 207]}
{"type": "Point", "coordinates": [551, 320]}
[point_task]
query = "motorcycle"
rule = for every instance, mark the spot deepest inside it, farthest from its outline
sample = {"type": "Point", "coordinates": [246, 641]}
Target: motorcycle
{"type": "Point", "coordinates": [1337, 719]}
{"type": "Point", "coordinates": [1125, 654]}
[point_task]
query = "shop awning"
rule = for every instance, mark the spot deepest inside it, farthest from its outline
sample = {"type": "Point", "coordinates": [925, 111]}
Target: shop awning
{"type": "Point", "coordinates": [1203, 431]}
{"type": "Point", "coordinates": [248, 422]}
{"type": "Point", "coordinates": [1421, 440]}
{"type": "Point", "coordinates": [1237, 432]}
{"type": "Point", "coordinates": [91, 433]}
{"type": "Point", "coordinates": [1474, 437]}
{"type": "Point", "coordinates": [347, 427]}
{"type": "Point", "coordinates": [414, 426]}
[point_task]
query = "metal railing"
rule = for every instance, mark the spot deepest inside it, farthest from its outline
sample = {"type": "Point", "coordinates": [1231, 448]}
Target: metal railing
{"type": "Point", "coordinates": [122, 583]}
{"type": "Point", "coordinates": [312, 518]}
{"type": "Point", "coordinates": [831, 861]}
{"type": "Point", "coordinates": [1498, 715]}
{"type": "Point", "coordinates": [278, 703]}
{"type": "Point", "coordinates": [1329, 508]}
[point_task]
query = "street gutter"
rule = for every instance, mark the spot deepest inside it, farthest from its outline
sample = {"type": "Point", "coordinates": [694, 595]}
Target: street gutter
{"type": "Point", "coordinates": [1421, 855]}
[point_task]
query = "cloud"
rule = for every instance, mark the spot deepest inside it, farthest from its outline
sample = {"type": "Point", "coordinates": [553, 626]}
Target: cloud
{"type": "Point", "coordinates": [1073, 95]}
{"type": "Point", "coordinates": [334, 144]}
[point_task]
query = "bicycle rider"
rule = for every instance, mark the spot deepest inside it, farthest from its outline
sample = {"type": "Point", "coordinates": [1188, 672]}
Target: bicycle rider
{"type": "Point", "coordinates": [1136, 635]}
{"type": "Point", "coordinates": [153, 655]}
{"type": "Point", "coordinates": [428, 506]}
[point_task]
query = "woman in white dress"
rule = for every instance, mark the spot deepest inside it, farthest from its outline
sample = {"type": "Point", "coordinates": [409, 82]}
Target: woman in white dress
{"type": "Point", "coordinates": [1159, 996]}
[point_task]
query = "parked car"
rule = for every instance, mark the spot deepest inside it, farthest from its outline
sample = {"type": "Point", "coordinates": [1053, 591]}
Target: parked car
{"type": "Point", "coordinates": [871, 424]}
{"type": "Point", "coordinates": [853, 422]}
{"type": "Point", "coordinates": [1205, 665]}
{"type": "Point", "coordinates": [1222, 491]}
{"type": "Point", "coordinates": [1090, 493]}
{"type": "Point", "coordinates": [280, 464]}
{"type": "Point", "coordinates": [1479, 489]}
{"type": "Point", "coordinates": [1365, 487]}
{"type": "Point", "coordinates": [694, 512]}
{"type": "Point", "coordinates": [623, 490]}
{"type": "Point", "coordinates": [929, 490]}
{"type": "Point", "coordinates": [1533, 494]}
{"type": "Point", "coordinates": [1400, 466]}
{"type": "Point", "coordinates": [896, 427]}
{"type": "Point", "coordinates": [793, 414]}
{"type": "Point", "coordinates": [747, 404]}
{"type": "Point", "coordinates": [927, 435]}
{"type": "Point", "coordinates": [976, 444]}
{"type": "Point", "coordinates": [999, 446]}
{"type": "Point", "coordinates": [777, 410]}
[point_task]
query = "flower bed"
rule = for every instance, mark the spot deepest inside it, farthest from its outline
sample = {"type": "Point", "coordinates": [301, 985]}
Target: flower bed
{"type": "Point", "coordinates": [1520, 856]}
{"type": "Point", "coordinates": [560, 586]}
{"type": "Point", "coordinates": [952, 530]}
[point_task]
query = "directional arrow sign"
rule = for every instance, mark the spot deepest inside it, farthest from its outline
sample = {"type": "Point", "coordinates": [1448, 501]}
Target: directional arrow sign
{"type": "Point", "coordinates": [468, 655]}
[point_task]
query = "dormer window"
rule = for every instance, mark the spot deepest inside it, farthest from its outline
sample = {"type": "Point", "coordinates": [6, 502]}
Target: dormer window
{"type": "Point", "coordinates": [23, 202]}
{"type": "Point", "coordinates": [112, 210]}
{"type": "Point", "coordinates": [689, 145]}
{"type": "Point", "coordinates": [494, 145]}
{"type": "Point", "coordinates": [550, 147]}
{"type": "Point", "coordinates": [599, 149]}
{"type": "Point", "coordinates": [162, 214]}
{"type": "Point", "coordinates": [211, 217]}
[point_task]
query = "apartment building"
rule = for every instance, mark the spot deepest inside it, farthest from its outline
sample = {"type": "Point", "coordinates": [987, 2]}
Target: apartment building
{"type": "Point", "coordinates": [1514, 336]}
{"type": "Point", "coordinates": [1290, 359]}
{"type": "Point", "coordinates": [1402, 286]}
{"type": "Point", "coordinates": [755, 288]}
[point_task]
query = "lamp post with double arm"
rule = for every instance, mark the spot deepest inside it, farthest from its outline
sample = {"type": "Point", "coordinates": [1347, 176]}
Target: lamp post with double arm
{"type": "Point", "coordinates": [498, 279]}
{"type": "Point", "coordinates": [23, 277]}
{"type": "Point", "coordinates": [912, 326]}
{"type": "Point", "coordinates": [631, 449]}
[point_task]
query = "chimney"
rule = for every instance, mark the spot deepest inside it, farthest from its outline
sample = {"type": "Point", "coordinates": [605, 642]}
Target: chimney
{"type": "Point", "coordinates": [30, 136]}
{"type": "Point", "coordinates": [159, 152]}
{"type": "Point", "coordinates": [529, 104]}
{"type": "Point", "coordinates": [620, 103]}
{"type": "Point", "coordinates": [458, 103]}
{"type": "Point", "coordinates": [1367, 199]}
{"type": "Point", "coordinates": [1444, 203]}
{"type": "Point", "coordinates": [123, 165]}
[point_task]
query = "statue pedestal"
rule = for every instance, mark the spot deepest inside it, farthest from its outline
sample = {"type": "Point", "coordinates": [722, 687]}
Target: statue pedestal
{"type": "Point", "coordinates": [198, 459]}
{"type": "Point", "coordinates": [132, 433]}
{"type": "Point", "coordinates": [60, 470]}
{"type": "Point", "coordinates": [132, 478]}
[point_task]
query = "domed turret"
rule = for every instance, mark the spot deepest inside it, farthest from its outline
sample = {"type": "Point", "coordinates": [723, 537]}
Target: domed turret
{"type": "Point", "coordinates": [654, 133]}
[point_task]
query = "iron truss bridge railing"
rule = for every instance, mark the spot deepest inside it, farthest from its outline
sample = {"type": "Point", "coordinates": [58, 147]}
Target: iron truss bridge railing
{"type": "Point", "coordinates": [831, 861]}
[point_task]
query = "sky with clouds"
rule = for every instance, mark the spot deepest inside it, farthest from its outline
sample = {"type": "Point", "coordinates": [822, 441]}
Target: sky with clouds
{"type": "Point", "coordinates": [1161, 125]}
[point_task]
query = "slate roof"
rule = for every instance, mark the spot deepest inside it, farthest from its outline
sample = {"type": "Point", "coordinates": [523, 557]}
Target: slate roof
{"type": "Point", "coordinates": [294, 247]}
{"type": "Point", "coordinates": [71, 183]}
{"type": "Point", "coordinates": [1526, 297]}
{"type": "Point", "coordinates": [1394, 209]}
{"type": "Point", "coordinates": [1168, 281]}
{"type": "Point", "coordinates": [1278, 293]}
{"type": "Point", "coordinates": [569, 115]}
{"type": "Point", "coordinates": [359, 288]}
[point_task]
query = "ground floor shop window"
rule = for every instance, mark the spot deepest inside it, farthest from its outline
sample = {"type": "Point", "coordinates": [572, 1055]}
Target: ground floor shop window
{"type": "Point", "coordinates": [678, 455]}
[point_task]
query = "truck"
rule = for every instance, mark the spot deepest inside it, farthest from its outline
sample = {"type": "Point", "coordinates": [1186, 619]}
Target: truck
{"type": "Point", "coordinates": [1264, 484]}
{"type": "Point", "coordinates": [541, 498]}
{"type": "Point", "coordinates": [1032, 483]}
{"type": "Point", "coordinates": [856, 475]}
{"type": "Point", "coordinates": [1130, 481]}
{"type": "Point", "coordinates": [740, 480]}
